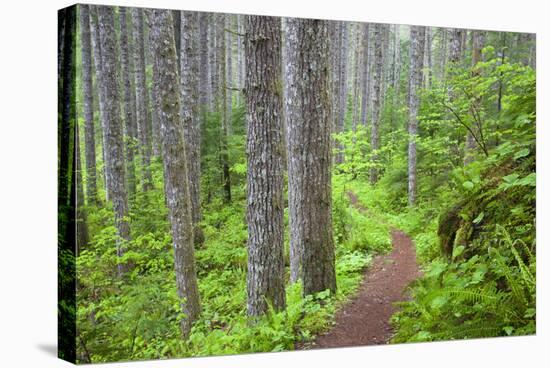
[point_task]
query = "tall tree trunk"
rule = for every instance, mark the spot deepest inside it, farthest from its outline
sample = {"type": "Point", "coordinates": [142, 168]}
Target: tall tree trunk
{"type": "Point", "coordinates": [478, 40]}
{"type": "Point", "coordinates": [175, 165]}
{"type": "Point", "coordinates": [229, 69]}
{"type": "Point", "coordinates": [82, 234]}
{"type": "Point", "coordinates": [376, 100]}
{"type": "Point", "coordinates": [396, 71]}
{"type": "Point", "coordinates": [428, 58]}
{"type": "Point", "coordinates": [265, 206]}
{"type": "Point", "coordinates": [87, 92]}
{"type": "Point", "coordinates": [142, 97]}
{"type": "Point", "coordinates": [213, 60]}
{"type": "Point", "coordinates": [292, 113]}
{"type": "Point", "coordinates": [343, 87]}
{"type": "Point", "coordinates": [129, 103]}
{"type": "Point", "coordinates": [442, 53]}
{"type": "Point", "coordinates": [96, 47]}
{"type": "Point", "coordinates": [189, 61]}
{"type": "Point", "coordinates": [356, 75]}
{"type": "Point", "coordinates": [455, 45]}
{"type": "Point", "coordinates": [222, 104]}
{"type": "Point", "coordinates": [205, 91]}
{"type": "Point", "coordinates": [240, 55]}
{"type": "Point", "coordinates": [364, 70]}
{"type": "Point", "coordinates": [416, 54]}
{"type": "Point", "coordinates": [153, 111]}
{"type": "Point", "coordinates": [114, 150]}
{"type": "Point", "coordinates": [309, 157]}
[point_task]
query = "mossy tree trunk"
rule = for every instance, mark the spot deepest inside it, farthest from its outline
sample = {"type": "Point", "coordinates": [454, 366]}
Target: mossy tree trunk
{"type": "Point", "coordinates": [166, 79]}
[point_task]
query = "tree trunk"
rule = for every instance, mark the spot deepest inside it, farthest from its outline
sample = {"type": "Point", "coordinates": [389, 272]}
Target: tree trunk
{"type": "Point", "coordinates": [442, 53]}
{"type": "Point", "coordinates": [455, 43]}
{"type": "Point", "coordinates": [142, 97]}
{"type": "Point", "coordinates": [416, 52]}
{"type": "Point", "coordinates": [265, 206]}
{"type": "Point", "coordinates": [309, 157]}
{"type": "Point", "coordinates": [96, 47]}
{"type": "Point", "coordinates": [213, 60]}
{"type": "Point", "coordinates": [114, 148]}
{"type": "Point", "coordinates": [87, 92]}
{"type": "Point", "coordinates": [428, 58]}
{"type": "Point", "coordinates": [175, 165]}
{"type": "Point", "coordinates": [205, 92]}
{"type": "Point", "coordinates": [129, 103]}
{"type": "Point", "coordinates": [229, 69]}
{"type": "Point", "coordinates": [222, 104]}
{"type": "Point", "coordinates": [82, 234]}
{"type": "Point", "coordinates": [478, 40]}
{"type": "Point", "coordinates": [365, 76]}
{"type": "Point", "coordinates": [292, 113]}
{"type": "Point", "coordinates": [240, 55]}
{"type": "Point", "coordinates": [189, 61]}
{"type": "Point", "coordinates": [356, 75]}
{"type": "Point", "coordinates": [343, 86]}
{"type": "Point", "coordinates": [376, 100]}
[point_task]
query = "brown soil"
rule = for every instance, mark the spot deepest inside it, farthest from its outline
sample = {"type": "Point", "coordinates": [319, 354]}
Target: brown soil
{"type": "Point", "coordinates": [364, 320]}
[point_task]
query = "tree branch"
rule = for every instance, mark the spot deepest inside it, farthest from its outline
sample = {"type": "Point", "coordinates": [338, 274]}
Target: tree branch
{"type": "Point", "coordinates": [461, 122]}
{"type": "Point", "coordinates": [234, 32]}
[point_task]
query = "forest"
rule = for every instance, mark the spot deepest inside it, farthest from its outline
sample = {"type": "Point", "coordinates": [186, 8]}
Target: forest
{"type": "Point", "coordinates": [249, 183]}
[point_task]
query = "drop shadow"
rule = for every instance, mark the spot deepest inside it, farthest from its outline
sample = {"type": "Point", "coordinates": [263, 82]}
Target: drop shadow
{"type": "Point", "coordinates": [50, 349]}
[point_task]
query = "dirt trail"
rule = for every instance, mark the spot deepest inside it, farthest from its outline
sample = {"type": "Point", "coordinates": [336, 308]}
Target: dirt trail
{"type": "Point", "coordinates": [364, 320]}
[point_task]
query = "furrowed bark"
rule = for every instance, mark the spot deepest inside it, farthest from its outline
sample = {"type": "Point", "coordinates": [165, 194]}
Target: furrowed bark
{"type": "Point", "coordinates": [190, 114]}
{"type": "Point", "coordinates": [309, 156]}
{"type": "Point", "coordinates": [166, 77]}
{"type": "Point", "coordinates": [265, 206]}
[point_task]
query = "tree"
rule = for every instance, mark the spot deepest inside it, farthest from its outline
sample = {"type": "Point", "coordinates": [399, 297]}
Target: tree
{"type": "Point", "coordinates": [166, 79]}
{"type": "Point", "coordinates": [82, 234]}
{"type": "Point", "coordinates": [416, 55]}
{"type": "Point", "coordinates": [205, 92]}
{"type": "Point", "coordinates": [229, 69]}
{"type": "Point", "coordinates": [376, 101]}
{"type": "Point", "coordinates": [190, 113]}
{"type": "Point", "coordinates": [87, 92]}
{"type": "Point", "coordinates": [478, 40]}
{"type": "Point", "coordinates": [356, 75]}
{"type": "Point", "coordinates": [221, 103]}
{"type": "Point", "coordinates": [309, 156]}
{"type": "Point", "coordinates": [114, 150]}
{"type": "Point", "coordinates": [365, 77]}
{"type": "Point", "coordinates": [427, 64]}
{"type": "Point", "coordinates": [129, 102]}
{"type": "Point", "coordinates": [264, 102]}
{"type": "Point", "coordinates": [96, 47]}
{"type": "Point", "coordinates": [142, 99]}
{"type": "Point", "coordinates": [455, 45]}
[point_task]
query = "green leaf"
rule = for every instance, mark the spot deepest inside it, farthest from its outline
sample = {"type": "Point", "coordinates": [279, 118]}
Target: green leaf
{"type": "Point", "coordinates": [457, 251]}
{"type": "Point", "coordinates": [511, 179]}
{"type": "Point", "coordinates": [508, 330]}
{"type": "Point", "coordinates": [521, 153]}
{"type": "Point", "coordinates": [479, 217]}
{"type": "Point", "coordinates": [529, 180]}
{"type": "Point", "coordinates": [468, 185]}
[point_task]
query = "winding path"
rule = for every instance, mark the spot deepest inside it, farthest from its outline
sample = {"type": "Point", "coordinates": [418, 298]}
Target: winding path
{"type": "Point", "coordinates": [364, 320]}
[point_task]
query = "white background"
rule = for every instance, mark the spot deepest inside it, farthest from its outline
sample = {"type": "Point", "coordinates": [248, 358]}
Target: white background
{"type": "Point", "coordinates": [28, 150]}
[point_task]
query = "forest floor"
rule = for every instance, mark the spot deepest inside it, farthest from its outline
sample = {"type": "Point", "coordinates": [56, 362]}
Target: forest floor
{"type": "Point", "coordinates": [365, 319]}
